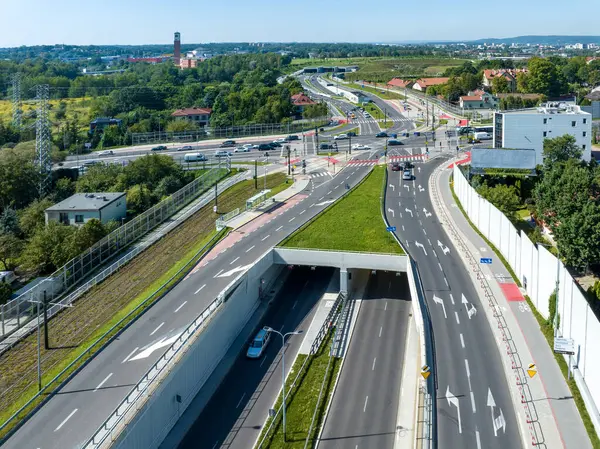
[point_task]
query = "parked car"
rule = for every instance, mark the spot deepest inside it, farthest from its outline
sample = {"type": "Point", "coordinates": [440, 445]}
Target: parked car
{"type": "Point", "coordinates": [258, 344]}
{"type": "Point", "coordinates": [249, 145]}
{"type": "Point", "coordinates": [222, 153]}
{"type": "Point", "coordinates": [159, 148]}
{"type": "Point", "coordinates": [407, 175]}
{"type": "Point", "coordinates": [326, 146]}
{"type": "Point", "coordinates": [351, 134]}
{"type": "Point", "coordinates": [381, 134]}
{"type": "Point", "coordinates": [106, 153]}
{"type": "Point", "coordinates": [228, 143]}
{"type": "Point", "coordinates": [361, 147]}
{"type": "Point", "coordinates": [396, 167]}
{"type": "Point", "coordinates": [280, 140]}
{"type": "Point", "coordinates": [394, 142]}
{"type": "Point", "coordinates": [341, 137]}
{"type": "Point", "coordinates": [242, 150]}
{"type": "Point", "coordinates": [185, 148]}
{"type": "Point", "coordinates": [264, 147]}
{"type": "Point", "coordinates": [275, 144]}
{"type": "Point", "coordinates": [195, 157]}
{"type": "Point", "coordinates": [292, 137]}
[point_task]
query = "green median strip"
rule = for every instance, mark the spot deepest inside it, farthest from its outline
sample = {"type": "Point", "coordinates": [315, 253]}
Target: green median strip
{"type": "Point", "coordinates": [546, 328]}
{"type": "Point", "coordinates": [302, 398]}
{"type": "Point", "coordinates": [353, 223]}
{"type": "Point", "coordinates": [384, 94]}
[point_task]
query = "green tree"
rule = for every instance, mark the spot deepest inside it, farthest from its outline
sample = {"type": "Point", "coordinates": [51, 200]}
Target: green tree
{"type": "Point", "coordinates": [18, 178]}
{"type": "Point", "coordinates": [10, 250]}
{"type": "Point", "coordinates": [61, 111]}
{"type": "Point", "coordinates": [48, 248]}
{"type": "Point", "coordinates": [500, 85]}
{"type": "Point", "coordinates": [175, 126]}
{"type": "Point", "coordinates": [139, 198]}
{"type": "Point", "coordinates": [99, 178]}
{"type": "Point", "coordinates": [168, 185]}
{"type": "Point", "coordinates": [9, 222]}
{"type": "Point", "coordinates": [33, 217]}
{"type": "Point", "coordinates": [561, 149]}
{"type": "Point", "coordinates": [5, 292]}
{"type": "Point", "coordinates": [544, 78]}
{"type": "Point", "coordinates": [85, 236]}
{"type": "Point", "coordinates": [315, 111]}
{"type": "Point", "coordinates": [504, 197]}
{"type": "Point", "coordinates": [64, 189]}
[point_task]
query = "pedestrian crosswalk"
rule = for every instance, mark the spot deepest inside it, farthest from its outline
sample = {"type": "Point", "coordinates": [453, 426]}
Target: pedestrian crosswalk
{"type": "Point", "coordinates": [362, 162]}
{"type": "Point", "coordinates": [415, 157]}
{"type": "Point", "coordinates": [372, 120]}
{"type": "Point", "coordinates": [320, 174]}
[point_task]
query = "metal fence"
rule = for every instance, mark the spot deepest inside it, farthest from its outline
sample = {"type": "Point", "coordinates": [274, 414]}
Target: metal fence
{"type": "Point", "coordinates": [228, 132]}
{"type": "Point", "coordinates": [19, 311]}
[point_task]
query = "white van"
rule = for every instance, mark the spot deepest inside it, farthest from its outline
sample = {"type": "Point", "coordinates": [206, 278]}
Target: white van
{"type": "Point", "coordinates": [194, 157]}
{"type": "Point", "coordinates": [482, 136]}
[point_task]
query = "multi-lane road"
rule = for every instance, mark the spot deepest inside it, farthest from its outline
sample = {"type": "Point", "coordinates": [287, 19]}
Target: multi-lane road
{"type": "Point", "coordinates": [365, 405]}
{"type": "Point", "coordinates": [73, 415]}
{"type": "Point", "coordinates": [475, 409]}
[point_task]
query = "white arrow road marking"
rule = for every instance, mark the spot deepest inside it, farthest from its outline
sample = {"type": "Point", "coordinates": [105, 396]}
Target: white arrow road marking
{"type": "Point", "coordinates": [406, 209]}
{"type": "Point", "coordinates": [323, 203]}
{"type": "Point", "coordinates": [391, 211]}
{"type": "Point", "coordinates": [159, 344]}
{"type": "Point", "coordinates": [421, 245]}
{"type": "Point", "coordinates": [393, 187]}
{"type": "Point", "coordinates": [407, 187]}
{"type": "Point", "coordinates": [235, 270]}
{"type": "Point", "coordinates": [471, 311]}
{"type": "Point", "coordinates": [453, 400]}
{"type": "Point", "coordinates": [65, 421]}
{"type": "Point", "coordinates": [427, 214]}
{"type": "Point", "coordinates": [130, 354]}
{"type": "Point", "coordinates": [440, 301]}
{"type": "Point", "coordinates": [499, 422]}
{"type": "Point", "coordinates": [421, 189]}
{"type": "Point", "coordinates": [419, 168]}
{"type": "Point", "coordinates": [445, 249]}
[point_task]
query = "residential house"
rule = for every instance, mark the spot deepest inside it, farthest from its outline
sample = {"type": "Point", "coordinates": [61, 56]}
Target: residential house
{"type": "Point", "coordinates": [80, 208]}
{"type": "Point", "coordinates": [509, 74]}
{"type": "Point", "coordinates": [423, 83]}
{"type": "Point", "coordinates": [400, 83]}
{"type": "Point", "coordinates": [200, 116]}
{"type": "Point", "coordinates": [300, 101]}
{"type": "Point", "coordinates": [478, 99]}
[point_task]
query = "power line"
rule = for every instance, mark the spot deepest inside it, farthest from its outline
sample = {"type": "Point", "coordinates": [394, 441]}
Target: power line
{"type": "Point", "coordinates": [43, 140]}
{"type": "Point", "coordinates": [17, 112]}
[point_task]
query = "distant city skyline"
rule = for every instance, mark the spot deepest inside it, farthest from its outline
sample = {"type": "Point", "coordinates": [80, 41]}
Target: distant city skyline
{"type": "Point", "coordinates": [125, 22]}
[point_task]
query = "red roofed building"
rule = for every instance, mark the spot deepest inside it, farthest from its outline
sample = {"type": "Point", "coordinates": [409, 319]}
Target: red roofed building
{"type": "Point", "coordinates": [478, 99]}
{"type": "Point", "coordinates": [300, 101]}
{"type": "Point", "coordinates": [509, 74]}
{"type": "Point", "coordinates": [423, 83]}
{"type": "Point", "coordinates": [156, 60]}
{"type": "Point", "coordinates": [400, 83]}
{"type": "Point", "coordinates": [200, 116]}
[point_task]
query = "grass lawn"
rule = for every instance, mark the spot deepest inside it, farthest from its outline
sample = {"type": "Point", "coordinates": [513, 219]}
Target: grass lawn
{"type": "Point", "coordinates": [353, 223]}
{"type": "Point", "coordinates": [547, 330]}
{"type": "Point", "coordinates": [302, 399]}
{"type": "Point", "coordinates": [110, 301]}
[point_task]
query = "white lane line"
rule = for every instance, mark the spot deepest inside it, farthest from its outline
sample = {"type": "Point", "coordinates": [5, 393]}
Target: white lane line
{"type": "Point", "coordinates": [365, 407]}
{"type": "Point", "coordinates": [217, 275]}
{"type": "Point", "coordinates": [385, 308]}
{"type": "Point", "coordinates": [250, 249]}
{"type": "Point", "coordinates": [424, 232]}
{"type": "Point", "coordinates": [66, 419]}
{"type": "Point", "coordinates": [179, 308]}
{"type": "Point", "coordinates": [403, 227]}
{"type": "Point", "coordinates": [262, 361]}
{"type": "Point", "coordinates": [477, 439]}
{"type": "Point", "coordinates": [215, 445]}
{"type": "Point", "coordinates": [462, 341]}
{"type": "Point", "coordinates": [156, 330]}
{"type": "Point", "coordinates": [295, 303]}
{"type": "Point", "coordinates": [130, 354]}
{"type": "Point", "coordinates": [302, 212]}
{"type": "Point", "coordinates": [440, 265]}
{"type": "Point", "coordinates": [380, 329]}
{"type": "Point", "coordinates": [278, 229]}
{"type": "Point", "coordinates": [452, 298]}
{"type": "Point", "coordinates": [103, 382]}
{"type": "Point", "coordinates": [329, 193]}
{"type": "Point", "coordinates": [321, 198]}
{"type": "Point", "coordinates": [235, 260]}
{"type": "Point", "coordinates": [373, 367]}
{"type": "Point", "coordinates": [240, 401]}
{"type": "Point", "coordinates": [197, 291]}
{"type": "Point", "coordinates": [265, 237]}
{"type": "Point", "coordinates": [467, 368]}
{"type": "Point", "coordinates": [429, 242]}
{"type": "Point", "coordinates": [292, 219]}
{"type": "Point", "coordinates": [473, 403]}
{"type": "Point", "coordinates": [456, 315]}
{"type": "Point", "coordinates": [446, 281]}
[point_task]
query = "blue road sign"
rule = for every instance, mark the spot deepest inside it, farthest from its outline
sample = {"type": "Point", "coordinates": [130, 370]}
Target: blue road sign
{"type": "Point", "coordinates": [487, 260]}
{"type": "Point", "coordinates": [391, 228]}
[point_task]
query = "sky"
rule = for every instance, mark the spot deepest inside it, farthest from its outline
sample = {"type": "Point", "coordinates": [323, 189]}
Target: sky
{"type": "Point", "coordinates": [76, 22]}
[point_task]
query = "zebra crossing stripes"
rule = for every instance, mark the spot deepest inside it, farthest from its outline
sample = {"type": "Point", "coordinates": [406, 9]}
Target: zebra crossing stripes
{"type": "Point", "coordinates": [418, 157]}
{"type": "Point", "coordinates": [319, 174]}
{"type": "Point", "coordinates": [362, 162]}
{"type": "Point", "coordinates": [370, 120]}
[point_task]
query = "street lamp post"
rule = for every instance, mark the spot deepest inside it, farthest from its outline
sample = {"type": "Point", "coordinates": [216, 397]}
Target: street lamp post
{"type": "Point", "coordinates": [270, 329]}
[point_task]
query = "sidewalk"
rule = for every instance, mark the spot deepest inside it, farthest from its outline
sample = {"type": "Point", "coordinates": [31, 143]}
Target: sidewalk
{"type": "Point", "coordinates": [545, 409]}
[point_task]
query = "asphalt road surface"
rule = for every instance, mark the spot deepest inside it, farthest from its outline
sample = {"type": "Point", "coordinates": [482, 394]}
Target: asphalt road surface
{"type": "Point", "coordinates": [365, 404]}
{"type": "Point", "coordinates": [235, 415]}
{"type": "Point", "coordinates": [473, 398]}
{"type": "Point", "coordinates": [70, 417]}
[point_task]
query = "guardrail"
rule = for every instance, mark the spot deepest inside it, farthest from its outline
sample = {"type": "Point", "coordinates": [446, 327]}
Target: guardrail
{"type": "Point", "coordinates": [109, 429]}
{"type": "Point", "coordinates": [102, 341]}
{"type": "Point", "coordinates": [62, 280]}
{"type": "Point", "coordinates": [429, 434]}
{"type": "Point", "coordinates": [329, 322]}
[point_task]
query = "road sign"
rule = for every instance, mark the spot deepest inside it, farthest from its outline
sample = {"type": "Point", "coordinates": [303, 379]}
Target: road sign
{"type": "Point", "coordinates": [532, 371]}
{"type": "Point", "coordinates": [88, 145]}
{"type": "Point", "coordinates": [564, 346]}
{"type": "Point", "coordinates": [391, 229]}
{"type": "Point", "coordinates": [425, 371]}
{"type": "Point", "coordinates": [485, 260]}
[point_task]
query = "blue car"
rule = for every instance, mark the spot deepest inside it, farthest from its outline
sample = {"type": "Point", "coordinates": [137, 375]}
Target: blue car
{"type": "Point", "coordinates": [258, 344]}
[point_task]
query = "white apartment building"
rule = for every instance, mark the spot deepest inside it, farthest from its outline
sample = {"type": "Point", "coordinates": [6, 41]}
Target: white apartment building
{"type": "Point", "coordinates": [82, 207]}
{"type": "Point", "coordinates": [527, 128]}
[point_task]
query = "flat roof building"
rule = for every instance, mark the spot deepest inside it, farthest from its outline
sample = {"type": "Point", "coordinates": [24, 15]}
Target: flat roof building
{"type": "Point", "coordinates": [80, 208]}
{"type": "Point", "coordinates": [527, 128]}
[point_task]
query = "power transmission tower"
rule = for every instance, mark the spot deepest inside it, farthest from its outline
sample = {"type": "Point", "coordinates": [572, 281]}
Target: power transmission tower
{"type": "Point", "coordinates": [17, 112]}
{"type": "Point", "coordinates": [43, 142]}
